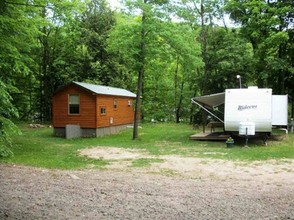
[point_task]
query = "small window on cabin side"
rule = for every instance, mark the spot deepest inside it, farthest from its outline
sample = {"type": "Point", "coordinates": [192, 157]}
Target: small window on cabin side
{"type": "Point", "coordinates": [115, 105]}
{"type": "Point", "coordinates": [74, 104]}
{"type": "Point", "coordinates": [102, 110]}
{"type": "Point", "coordinates": [129, 102]}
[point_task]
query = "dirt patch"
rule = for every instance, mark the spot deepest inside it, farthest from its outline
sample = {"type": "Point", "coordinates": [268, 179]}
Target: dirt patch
{"type": "Point", "coordinates": [177, 188]}
{"type": "Point", "coordinates": [120, 159]}
{"type": "Point", "coordinates": [282, 171]}
{"type": "Point", "coordinates": [112, 153]}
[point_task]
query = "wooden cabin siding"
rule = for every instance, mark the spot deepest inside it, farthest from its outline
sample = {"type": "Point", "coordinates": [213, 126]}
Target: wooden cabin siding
{"type": "Point", "coordinates": [124, 114]}
{"type": "Point", "coordinates": [86, 118]}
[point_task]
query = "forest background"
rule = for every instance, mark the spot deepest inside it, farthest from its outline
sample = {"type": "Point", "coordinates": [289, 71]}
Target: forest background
{"type": "Point", "coordinates": [172, 50]}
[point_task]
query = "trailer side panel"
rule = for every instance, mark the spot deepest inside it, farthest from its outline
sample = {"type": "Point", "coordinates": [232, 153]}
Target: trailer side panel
{"type": "Point", "coordinates": [248, 105]}
{"type": "Point", "coordinates": [280, 110]}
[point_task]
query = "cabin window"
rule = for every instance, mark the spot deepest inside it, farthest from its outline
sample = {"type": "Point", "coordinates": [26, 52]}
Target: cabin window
{"type": "Point", "coordinates": [129, 102]}
{"type": "Point", "coordinates": [74, 104]}
{"type": "Point", "coordinates": [103, 110]}
{"type": "Point", "coordinates": [115, 105]}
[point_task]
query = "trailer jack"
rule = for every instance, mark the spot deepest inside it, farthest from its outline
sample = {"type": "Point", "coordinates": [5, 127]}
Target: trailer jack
{"type": "Point", "coordinates": [246, 138]}
{"type": "Point", "coordinates": [265, 138]}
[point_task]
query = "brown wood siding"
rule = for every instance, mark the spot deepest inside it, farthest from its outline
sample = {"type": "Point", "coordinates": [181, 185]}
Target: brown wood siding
{"type": "Point", "coordinates": [61, 116]}
{"type": "Point", "coordinates": [124, 114]}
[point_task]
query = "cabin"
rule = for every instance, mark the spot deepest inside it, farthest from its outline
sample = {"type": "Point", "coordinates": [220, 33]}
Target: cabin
{"type": "Point", "coordinates": [86, 110]}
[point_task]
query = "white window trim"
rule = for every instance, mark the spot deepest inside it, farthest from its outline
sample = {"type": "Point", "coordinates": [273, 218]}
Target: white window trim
{"type": "Point", "coordinates": [68, 104]}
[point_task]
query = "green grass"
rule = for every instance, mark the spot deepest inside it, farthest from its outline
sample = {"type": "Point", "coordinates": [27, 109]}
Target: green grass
{"type": "Point", "coordinates": [38, 147]}
{"type": "Point", "coordinates": [145, 162]}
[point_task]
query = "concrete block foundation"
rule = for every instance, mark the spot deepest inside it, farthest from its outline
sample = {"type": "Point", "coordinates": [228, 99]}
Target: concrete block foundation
{"type": "Point", "coordinates": [74, 131]}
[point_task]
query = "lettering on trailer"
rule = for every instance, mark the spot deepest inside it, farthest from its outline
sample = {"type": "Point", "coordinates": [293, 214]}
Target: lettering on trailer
{"type": "Point", "coordinates": [246, 107]}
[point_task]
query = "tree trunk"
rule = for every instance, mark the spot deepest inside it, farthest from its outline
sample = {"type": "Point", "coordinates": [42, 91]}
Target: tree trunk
{"type": "Point", "coordinates": [45, 77]}
{"type": "Point", "coordinates": [292, 105]}
{"type": "Point", "coordinates": [204, 55]}
{"type": "Point", "coordinates": [178, 115]}
{"type": "Point", "coordinates": [140, 77]}
{"type": "Point", "coordinates": [176, 90]}
{"type": "Point", "coordinates": [137, 106]}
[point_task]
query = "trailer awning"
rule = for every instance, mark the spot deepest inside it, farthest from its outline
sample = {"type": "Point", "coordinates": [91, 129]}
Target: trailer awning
{"type": "Point", "coordinates": [212, 100]}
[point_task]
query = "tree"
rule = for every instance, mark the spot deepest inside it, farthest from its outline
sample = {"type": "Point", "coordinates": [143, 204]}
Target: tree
{"type": "Point", "coordinates": [200, 15]}
{"type": "Point", "coordinates": [268, 25]}
{"type": "Point", "coordinates": [145, 26]}
{"type": "Point", "coordinates": [141, 64]}
{"type": "Point", "coordinates": [96, 23]}
{"type": "Point", "coordinates": [17, 39]}
{"type": "Point", "coordinates": [265, 24]}
{"type": "Point", "coordinates": [56, 16]}
{"type": "Point", "coordinates": [171, 56]}
{"type": "Point", "coordinates": [229, 55]}
{"type": "Point", "coordinates": [7, 127]}
{"type": "Point", "coordinates": [184, 58]}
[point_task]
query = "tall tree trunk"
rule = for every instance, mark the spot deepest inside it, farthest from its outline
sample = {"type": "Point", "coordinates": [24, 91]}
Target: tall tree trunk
{"type": "Point", "coordinates": [192, 115]}
{"type": "Point", "coordinates": [138, 104]}
{"type": "Point", "coordinates": [176, 89]}
{"type": "Point", "coordinates": [281, 71]}
{"type": "Point", "coordinates": [178, 109]}
{"type": "Point", "coordinates": [292, 106]}
{"type": "Point", "coordinates": [140, 77]}
{"type": "Point", "coordinates": [44, 70]}
{"type": "Point", "coordinates": [204, 56]}
{"type": "Point", "coordinates": [45, 78]}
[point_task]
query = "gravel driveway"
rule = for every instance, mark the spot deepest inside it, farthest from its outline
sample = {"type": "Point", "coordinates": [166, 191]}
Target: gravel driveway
{"type": "Point", "coordinates": [32, 193]}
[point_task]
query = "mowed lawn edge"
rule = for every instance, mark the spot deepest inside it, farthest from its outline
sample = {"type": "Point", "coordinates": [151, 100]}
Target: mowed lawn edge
{"type": "Point", "coordinates": [39, 148]}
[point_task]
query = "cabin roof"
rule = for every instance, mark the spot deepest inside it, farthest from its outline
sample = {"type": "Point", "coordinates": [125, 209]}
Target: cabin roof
{"type": "Point", "coordinates": [105, 90]}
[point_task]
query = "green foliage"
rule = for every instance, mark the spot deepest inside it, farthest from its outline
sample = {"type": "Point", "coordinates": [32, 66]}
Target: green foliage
{"type": "Point", "coordinates": [46, 44]}
{"type": "Point", "coordinates": [172, 55]}
{"type": "Point", "coordinates": [18, 37]}
{"type": "Point", "coordinates": [5, 151]}
{"type": "Point", "coordinates": [228, 55]}
{"type": "Point", "coordinates": [6, 107]}
{"type": "Point", "coordinates": [7, 128]}
{"type": "Point", "coordinates": [145, 162]}
{"type": "Point", "coordinates": [96, 23]}
{"type": "Point", "coordinates": [124, 41]}
{"type": "Point", "coordinates": [265, 24]}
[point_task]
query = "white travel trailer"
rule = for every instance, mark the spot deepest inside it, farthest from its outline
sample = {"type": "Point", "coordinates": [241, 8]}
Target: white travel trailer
{"type": "Point", "coordinates": [248, 110]}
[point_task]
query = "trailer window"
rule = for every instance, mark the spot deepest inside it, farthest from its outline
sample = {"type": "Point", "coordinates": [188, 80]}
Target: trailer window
{"type": "Point", "coordinates": [74, 104]}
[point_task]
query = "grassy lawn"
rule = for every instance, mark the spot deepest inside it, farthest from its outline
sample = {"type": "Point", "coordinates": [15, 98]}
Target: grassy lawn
{"type": "Point", "coordinates": [38, 147]}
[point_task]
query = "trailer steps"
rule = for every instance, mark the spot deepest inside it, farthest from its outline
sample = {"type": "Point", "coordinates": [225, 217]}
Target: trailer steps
{"type": "Point", "coordinates": [214, 136]}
